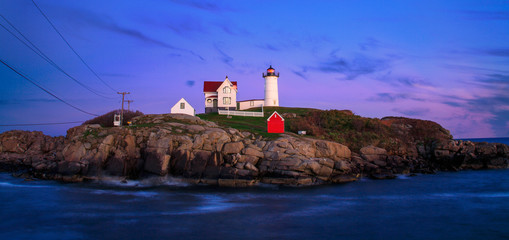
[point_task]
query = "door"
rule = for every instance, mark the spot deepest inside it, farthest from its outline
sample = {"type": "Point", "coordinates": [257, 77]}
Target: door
{"type": "Point", "coordinates": [214, 105]}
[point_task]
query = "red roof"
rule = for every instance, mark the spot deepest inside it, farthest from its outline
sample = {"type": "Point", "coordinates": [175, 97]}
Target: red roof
{"type": "Point", "coordinates": [275, 115]}
{"type": "Point", "coordinates": [212, 86]}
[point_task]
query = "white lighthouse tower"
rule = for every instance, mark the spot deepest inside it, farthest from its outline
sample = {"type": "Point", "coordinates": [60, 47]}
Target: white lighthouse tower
{"type": "Point", "coordinates": [271, 92]}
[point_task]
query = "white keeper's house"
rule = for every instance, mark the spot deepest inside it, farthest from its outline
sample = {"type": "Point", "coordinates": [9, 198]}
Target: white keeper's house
{"type": "Point", "coordinates": [223, 95]}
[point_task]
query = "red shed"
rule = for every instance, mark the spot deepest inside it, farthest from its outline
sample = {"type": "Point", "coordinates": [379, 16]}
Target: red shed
{"type": "Point", "coordinates": [275, 123]}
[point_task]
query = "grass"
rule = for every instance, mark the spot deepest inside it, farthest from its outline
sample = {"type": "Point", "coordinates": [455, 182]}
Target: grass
{"type": "Point", "coordinates": [141, 125]}
{"type": "Point", "coordinates": [256, 125]}
{"type": "Point", "coordinates": [341, 126]}
{"type": "Point", "coordinates": [91, 132]}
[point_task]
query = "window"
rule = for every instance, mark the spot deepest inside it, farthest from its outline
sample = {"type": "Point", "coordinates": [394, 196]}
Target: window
{"type": "Point", "coordinates": [227, 100]}
{"type": "Point", "coordinates": [251, 103]}
{"type": "Point", "coordinates": [226, 90]}
{"type": "Point", "coordinates": [182, 105]}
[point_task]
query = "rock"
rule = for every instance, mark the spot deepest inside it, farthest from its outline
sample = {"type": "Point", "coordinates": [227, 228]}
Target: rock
{"type": "Point", "coordinates": [69, 168]}
{"type": "Point", "coordinates": [332, 150]}
{"type": "Point", "coordinates": [197, 166]}
{"type": "Point", "coordinates": [342, 166]}
{"type": "Point", "coordinates": [372, 150]}
{"type": "Point", "coordinates": [199, 151]}
{"type": "Point", "coordinates": [253, 151]}
{"type": "Point", "coordinates": [248, 158]}
{"type": "Point", "coordinates": [157, 164]}
{"type": "Point", "coordinates": [11, 145]}
{"type": "Point", "coordinates": [74, 152]}
{"type": "Point", "coordinates": [375, 155]}
{"type": "Point", "coordinates": [233, 147]}
{"type": "Point", "coordinates": [289, 115]}
{"type": "Point", "coordinates": [250, 166]}
{"type": "Point", "coordinates": [194, 128]}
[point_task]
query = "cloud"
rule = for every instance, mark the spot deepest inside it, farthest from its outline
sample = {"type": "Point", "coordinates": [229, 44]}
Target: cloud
{"type": "Point", "coordinates": [494, 78]}
{"type": "Point", "coordinates": [180, 24]}
{"type": "Point", "coordinates": [471, 68]}
{"type": "Point", "coordinates": [133, 33]}
{"type": "Point", "coordinates": [495, 104]}
{"type": "Point", "coordinates": [106, 23]}
{"type": "Point", "coordinates": [388, 97]}
{"type": "Point", "coordinates": [497, 52]}
{"type": "Point", "coordinates": [486, 15]}
{"type": "Point", "coordinates": [413, 82]}
{"type": "Point", "coordinates": [301, 73]}
{"type": "Point", "coordinates": [188, 25]}
{"type": "Point", "coordinates": [269, 47]}
{"type": "Point", "coordinates": [370, 44]}
{"type": "Point", "coordinates": [412, 112]}
{"type": "Point", "coordinates": [225, 58]}
{"type": "Point", "coordinates": [500, 123]}
{"type": "Point", "coordinates": [405, 81]}
{"type": "Point", "coordinates": [491, 52]}
{"type": "Point", "coordinates": [393, 97]}
{"type": "Point", "coordinates": [355, 67]}
{"type": "Point", "coordinates": [453, 104]}
{"type": "Point", "coordinates": [210, 6]}
{"type": "Point", "coordinates": [190, 83]}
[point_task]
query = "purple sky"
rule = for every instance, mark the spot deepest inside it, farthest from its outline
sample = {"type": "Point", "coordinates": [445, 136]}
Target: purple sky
{"type": "Point", "coordinates": [445, 61]}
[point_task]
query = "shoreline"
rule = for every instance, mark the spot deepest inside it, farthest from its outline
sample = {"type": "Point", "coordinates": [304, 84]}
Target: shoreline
{"type": "Point", "coordinates": [201, 152]}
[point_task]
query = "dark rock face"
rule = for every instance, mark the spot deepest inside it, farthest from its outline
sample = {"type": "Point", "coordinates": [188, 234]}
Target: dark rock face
{"type": "Point", "coordinates": [201, 152]}
{"type": "Point", "coordinates": [457, 155]}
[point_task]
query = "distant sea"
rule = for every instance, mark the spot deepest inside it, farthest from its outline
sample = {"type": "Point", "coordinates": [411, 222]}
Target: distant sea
{"type": "Point", "coordinates": [446, 205]}
{"type": "Point", "coordinates": [490, 140]}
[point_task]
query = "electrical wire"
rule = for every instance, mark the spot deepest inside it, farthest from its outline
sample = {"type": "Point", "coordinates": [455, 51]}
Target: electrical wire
{"type": "Point", "coordinates": [39, 86]}
{"type": "Point", "coordinates": [69, 45]}
{"type": "Point", "coordinates": [41, 54]}
{"type": "Point", "coordinates": [36, 124]}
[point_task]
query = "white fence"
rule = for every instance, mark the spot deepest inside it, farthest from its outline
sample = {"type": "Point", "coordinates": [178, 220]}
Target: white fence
{"type": "Point", "coordinates": [240, 113]}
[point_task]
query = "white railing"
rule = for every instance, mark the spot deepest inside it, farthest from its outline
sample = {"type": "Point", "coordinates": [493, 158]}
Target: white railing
{"type": "Point", "coordinates": [240, 113]}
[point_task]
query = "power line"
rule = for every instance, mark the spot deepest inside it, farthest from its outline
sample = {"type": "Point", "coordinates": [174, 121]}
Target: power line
{"type": "Point", "coordinates": [36, 124]}
{"type": "Point", "coordinates": [68, 44]}
{"type": "Point", "coordinates": [33, 82]}
{"type": "Point", "coordinates": [41, 54]}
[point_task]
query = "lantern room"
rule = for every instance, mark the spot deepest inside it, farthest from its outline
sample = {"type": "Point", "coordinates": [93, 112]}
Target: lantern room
{"type": "Point", "coordinates": [270, 72]}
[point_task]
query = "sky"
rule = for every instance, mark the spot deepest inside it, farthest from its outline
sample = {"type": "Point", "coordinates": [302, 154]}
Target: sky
{"type": "Point", "coordinates": [444, 61]}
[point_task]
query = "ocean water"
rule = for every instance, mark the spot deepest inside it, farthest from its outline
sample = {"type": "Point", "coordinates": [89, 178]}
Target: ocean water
{"type": "Point", "coordinates": [447, 205]}
{"type": "Point", "coordinates": [490, 140]}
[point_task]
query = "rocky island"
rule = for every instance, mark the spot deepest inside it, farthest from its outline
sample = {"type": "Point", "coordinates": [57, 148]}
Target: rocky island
{"type": "Point", "coordinates": [204, 152]}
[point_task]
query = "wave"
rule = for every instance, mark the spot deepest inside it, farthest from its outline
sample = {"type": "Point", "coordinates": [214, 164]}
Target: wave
{"type": "Point", "coordinates": [473, 195]}
{"type": "Point", "coordinates": [8, 184]}
{"type": "Point", "coordinates": [146, 194]}
{"type": "Point", "coordinates": [147, 182]}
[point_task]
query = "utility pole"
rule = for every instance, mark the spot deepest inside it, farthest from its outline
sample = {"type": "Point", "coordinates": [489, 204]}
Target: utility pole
{"type": "Point", "coordinates": [122, 113]}
{"type": "Point", "coordinates": [129, 104]}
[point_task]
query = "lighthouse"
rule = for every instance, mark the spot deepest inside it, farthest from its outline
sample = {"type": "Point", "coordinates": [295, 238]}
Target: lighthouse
{"type": "Point", "coordinates": [271, 92]}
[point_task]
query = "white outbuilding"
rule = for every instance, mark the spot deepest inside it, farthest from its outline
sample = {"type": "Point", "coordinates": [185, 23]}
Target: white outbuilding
{"type": "Point", "coordinates": [182, 106]}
